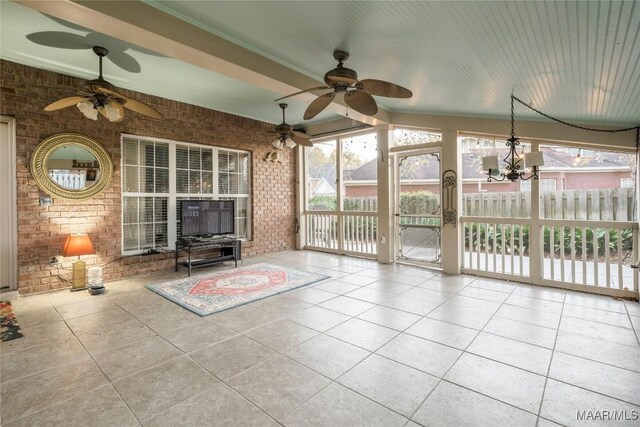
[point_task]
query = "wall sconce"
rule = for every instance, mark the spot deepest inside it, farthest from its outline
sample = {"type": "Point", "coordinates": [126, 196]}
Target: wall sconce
{"type": "Point", "coordinates": [514, 168]}
{"type": "Point", "coordinates": [78, 245]}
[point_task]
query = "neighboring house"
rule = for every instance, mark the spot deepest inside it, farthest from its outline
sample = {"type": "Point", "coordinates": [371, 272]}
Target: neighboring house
{"type": "Point", "coordinates": [320, 187]}
{"type": "Point", "coordinates": [562, 171]}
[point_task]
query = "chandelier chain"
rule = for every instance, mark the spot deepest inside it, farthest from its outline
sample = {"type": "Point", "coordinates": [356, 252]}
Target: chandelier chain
{"type": "Point", "coordinates": [529, 106]}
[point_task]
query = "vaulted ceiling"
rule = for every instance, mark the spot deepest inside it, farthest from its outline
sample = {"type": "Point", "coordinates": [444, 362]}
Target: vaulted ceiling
{"type": "Point", "coordinates": [575, 60]}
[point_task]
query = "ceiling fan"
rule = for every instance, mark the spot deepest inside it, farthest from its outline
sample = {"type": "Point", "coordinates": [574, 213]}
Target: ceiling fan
{"type": "Point", "coordinates": [102, 98]}
{"type": "Point", "coordinates": [287, 137]}
{"type": "Point", "coordinates": [357, 93]}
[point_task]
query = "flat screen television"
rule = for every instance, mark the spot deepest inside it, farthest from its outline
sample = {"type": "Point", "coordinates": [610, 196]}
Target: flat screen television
{"type": "Point", "coordinates": [204, 218]}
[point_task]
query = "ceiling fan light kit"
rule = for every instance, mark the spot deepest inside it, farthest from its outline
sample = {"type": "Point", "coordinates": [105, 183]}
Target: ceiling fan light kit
{"type": "Point", "coordinates": [357, 93]}
{"type": "Point", "coordinates": [103, 99]}
{"type": "Point", "coordinates": [287, 137]}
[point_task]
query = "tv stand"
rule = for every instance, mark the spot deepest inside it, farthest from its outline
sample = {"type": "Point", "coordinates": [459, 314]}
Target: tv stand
{"type": "Point", "coordinates": [230, 250]}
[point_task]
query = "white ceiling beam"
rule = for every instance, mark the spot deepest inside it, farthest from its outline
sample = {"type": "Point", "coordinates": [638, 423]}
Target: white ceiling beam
{"type": "Point", "coordinates": [145, 26]}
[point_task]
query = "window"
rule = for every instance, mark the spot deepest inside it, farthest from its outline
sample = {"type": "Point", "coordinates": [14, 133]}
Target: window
{"type": "Point", "coordinates": [152, 191]}
{"type": "Point", "coordinates": [626, 183]}
{"type": "Point", "coordinates": [414, 136]}
{"type": "Point", "coordinates": [546, 184]}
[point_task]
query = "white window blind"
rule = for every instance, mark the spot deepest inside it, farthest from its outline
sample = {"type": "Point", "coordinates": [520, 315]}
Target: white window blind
{"type": "Point", "coordinates": [152, 190]}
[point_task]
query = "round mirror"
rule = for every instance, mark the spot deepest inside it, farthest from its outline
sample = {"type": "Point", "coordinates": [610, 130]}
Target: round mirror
{"type": "Point", "coordinates": [71, 166]}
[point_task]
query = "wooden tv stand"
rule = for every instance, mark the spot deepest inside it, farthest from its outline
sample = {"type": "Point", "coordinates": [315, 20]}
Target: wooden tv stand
{"type": "Point", "coordinates": [230, 250]}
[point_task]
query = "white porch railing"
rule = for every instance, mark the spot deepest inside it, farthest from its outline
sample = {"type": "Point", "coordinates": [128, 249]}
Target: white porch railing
{"type": "Point", "coordinates": [582, 254]}
{"type": "Point", "coordinates": [353, 233]}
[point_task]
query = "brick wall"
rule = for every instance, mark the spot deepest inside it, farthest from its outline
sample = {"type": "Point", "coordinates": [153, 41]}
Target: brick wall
{"type": "Point", "coordinates": [25, 91]}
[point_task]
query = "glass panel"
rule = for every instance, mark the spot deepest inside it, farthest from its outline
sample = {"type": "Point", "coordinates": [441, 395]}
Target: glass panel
{"type": "Point", "coordinates": [223, 161]}
{"type": "Point", "coordinates": [233, 162]}
{"type": "Point", "coordinates": [130, 152]}
{"type": "Point", "coordinates": [320, 161]}
{"type": "Point", "coordinates": [194, 181]}
{"type": "Point", "coordinates": [161, 234]}
{"type": "Point", "coordinates": [360, 173]}
{"type": "Point", "coordinates": [496, 198]}
{"type": "Point", "coordinates": [243, 163]}
{"type": "Point", "coordinates": [243, 186]}
{"type": "Point", "coordinates": [130, 237]}
{"type": "Point", "coordinates": [147, 150]}
{"type": "Point", "coordinates": [182, 157]}
{"type": "Point", "coordinates": [586, 184]}
{"type": "Point", "coordinates": [146, 236]}
{"type": "Point", "coordinates": [233, 183]}
{"type": "Point", "coordinates": [420, 243]}
{"type": "Point", "coordinates": [207, 159]}
{"type": "Point", "coordinates": [162, 180]}
{"type": "Point", "coordinates": [146, 209]}
{"type": "Point", "coordinates": [130, 180]}
{"type": "Point", "coordinates": [162, 155]}
{"type": "Point", "coordinates": [194, 158]}
{"type": "Point", "coordinates": [146, 174]}
{"type": "Point", "coordinates": [413, 136]}
{"type": "Point", "coordinates": [420, 189]}
{"type": "Point", "coordinates": [130, 210]}
{"type": "Point", "coordinates": [207, 182]}
{"type": "Point", "coordinates": [223, 184]}
{"type": "Point", "coordinates": [160, 209]}
{"type": "Point", "coordinates": [182, 181]}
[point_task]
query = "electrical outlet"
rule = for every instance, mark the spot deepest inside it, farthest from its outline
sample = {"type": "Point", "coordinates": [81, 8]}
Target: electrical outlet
{"type": "Point", "coordinates": [55, 260]}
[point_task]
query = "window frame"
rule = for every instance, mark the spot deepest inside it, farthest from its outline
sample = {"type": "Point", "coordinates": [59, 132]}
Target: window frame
{"type": "Point", "coordinates": [173, 196]}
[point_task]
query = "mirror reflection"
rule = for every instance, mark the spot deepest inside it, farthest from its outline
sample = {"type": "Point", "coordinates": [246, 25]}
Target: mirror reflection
{"type": "Point", "coordinates": [73, 167]}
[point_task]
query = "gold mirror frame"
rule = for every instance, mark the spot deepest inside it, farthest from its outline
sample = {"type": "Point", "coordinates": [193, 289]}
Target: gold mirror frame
{"type": "Point", "coordinates": [40, 173]}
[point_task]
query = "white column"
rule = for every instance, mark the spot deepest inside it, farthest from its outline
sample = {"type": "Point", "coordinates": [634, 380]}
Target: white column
{"type": "Point", "coordinates": [451, 244]}
{"type": "Point", "coordinates": [535, 230]}
{"type": "Point", "coordinates": [385, 211]}
{"type": "Point", "coordinates": [300, 180]}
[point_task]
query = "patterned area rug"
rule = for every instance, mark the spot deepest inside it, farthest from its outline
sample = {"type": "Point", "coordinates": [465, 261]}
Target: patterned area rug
{"type": "Point", "coordinates": [9, 328]}
{"type": "Point", "coordinates": [209, 294]}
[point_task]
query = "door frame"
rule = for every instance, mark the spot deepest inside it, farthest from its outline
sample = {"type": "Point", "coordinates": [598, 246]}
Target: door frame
{"type": "Point", "coordinates": [9, 173]}
{"type": "Point", "coordinates": [397, 158]}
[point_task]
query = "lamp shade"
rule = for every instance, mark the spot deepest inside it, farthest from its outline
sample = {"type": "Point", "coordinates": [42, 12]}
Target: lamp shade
{"type": "Point", "coordinates": [534, 158]}
{"type": "Point", "coordinates": [490, 162]}
{"type": "Point", "coordinates": [78, 244]}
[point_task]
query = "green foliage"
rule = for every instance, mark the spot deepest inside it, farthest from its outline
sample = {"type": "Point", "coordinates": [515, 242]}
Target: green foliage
{"type": "Point", "coordinates": [325, 203]}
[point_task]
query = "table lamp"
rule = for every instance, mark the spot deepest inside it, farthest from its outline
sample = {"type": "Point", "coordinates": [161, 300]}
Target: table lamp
{"type": "Point", "coordinates": [78, 245]}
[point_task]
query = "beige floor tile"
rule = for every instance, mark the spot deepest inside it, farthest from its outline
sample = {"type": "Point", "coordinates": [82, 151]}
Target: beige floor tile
{"type": "Point", "coordinates": [132, 358]}
{"type": "Point", "coordinates": [411, 304]}
{"type": "Point", "coordinates": [357, 279]}
{"type": "Point", "coordinates": [346, 305]}
{"type": "Point", "coordinates": [198, 335]}
{"type": "Point", "coordinates": [100, 407]}
{"type": "Point", "coordinates": [52, 333]}
{"type": "Point", "coordinates": [41, 358]}
{"type": "Point", "coordinates": [374, 296]}
{"type": "Point", "coordinates": [327, 355]}
{"type": "Point", "coordinates": [337, 287]}
{"type": "Point", "coordinates": [281, 334]}
{"type": "Point", "coordinates": [599, 330]}
{"type": "Point", "coordinates": [363, 334]}
{"type": "Point", "coordinates": [230, 357]}
{"type": "Point", "coordinates": [469, 312]}
{"type": "Point", "coordinates": [595, 301]}
{"type": "Point", "coordinates": [515, 353]}
{"type": "Point", "coordinates": [312, 295]}
{"type": "Point", "coordinates": [525, 332]}
{"type": "Point", "coordinates": [535, 304]}
{"type": "Point", "coordinates": [470, 409]}
{"type": "Point", "coordinates": [390, 383]}
{"type": "Point", "coordinates": [597, 315]}
{"type": "Point", "coordinates": [605, 379]}
{"type": "Point", "coordinates": [154, 390]}
{"type": "Point", "coordinates": [281, 304]}
{"type": "Point", "coordinates": [244, 318]}
{"type": "Point", "coordinates": [526, 315]}
{"type": "Point", "coordinates": [89, 306]}
{"type": "Point", "coordinates": [389, 317]}
{"type": "Point", "coordinates": [541, 292]}
{"type": "Point", "coordinates": [31, 394]}
{"type": "Point", "coordinates": [493, 284]}
{"type": "Point", "coordinates": [318, 318]}
{"type": "Point", "coordinates": [278, 385]}
{"type": "Point", "coordinates": [218, 405]}
{"type": "Point", "coordinates": [486, 294]}
{"type": "Point", "coordinates": [443, 332]}
{"type": "Point", "coordinates": [427, 356]}
{"type": "Point", "coordinates": [622, 356]}
{"type": "Point", "coordinates": [511, 385]}
{"type": "Point", "coordinates": [389, 286]}
{"type": "Point", "coordinates": [563, 403]}
{"type": "Point", "coordinates": [347, 409]}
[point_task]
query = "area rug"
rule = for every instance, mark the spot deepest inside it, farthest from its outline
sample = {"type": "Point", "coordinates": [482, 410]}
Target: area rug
{"type": "Point", "coordinates": [9, 328]}
{"type": "Point", "coordinates": [216, 292]}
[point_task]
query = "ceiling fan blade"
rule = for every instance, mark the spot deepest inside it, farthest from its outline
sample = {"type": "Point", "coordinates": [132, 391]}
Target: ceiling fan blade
{"type": "Point", "coordinates": [132, 104]}
{"type": "Point", "coordinates": [382, 88]}
{"type": "Point", "coordinates": [64, 103]}
{"type": "Point", "coordinates": [59, 39]}
{"type": "Point", "coordinates": [362, 102]}
{"type": "Point", "coordinates": [319, 104]}
{"type": "Point", "coordinates": [304, 91]}
{"type": "Point", "coordinates": [301, 140]}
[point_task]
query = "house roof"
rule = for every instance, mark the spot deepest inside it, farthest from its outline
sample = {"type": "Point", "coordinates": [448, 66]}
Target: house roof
{"type": "Point", "coordinates": [419, 169]}
{"type": "Point", "coordinates": [458, 58]}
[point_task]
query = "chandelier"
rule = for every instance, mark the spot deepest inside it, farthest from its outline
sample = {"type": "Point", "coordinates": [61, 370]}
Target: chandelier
{"type": "Point", "coordinates": [516, 161]}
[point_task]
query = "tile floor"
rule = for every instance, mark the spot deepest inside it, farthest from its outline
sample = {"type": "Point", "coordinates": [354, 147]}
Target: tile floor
{"type": "Point", "coordinates": [374, 345]}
